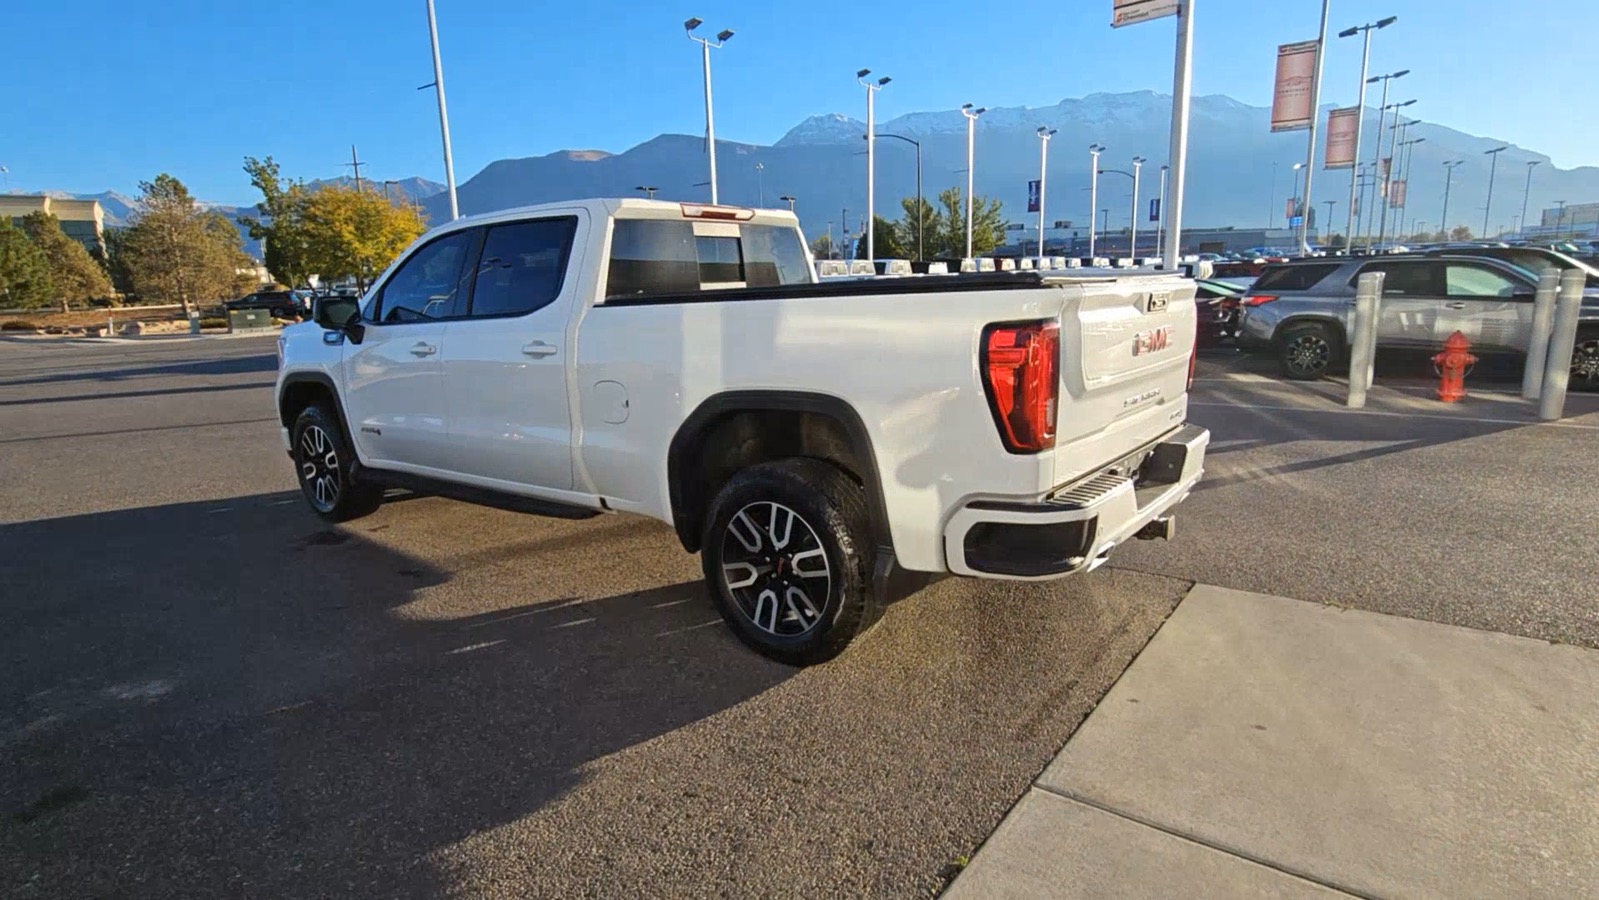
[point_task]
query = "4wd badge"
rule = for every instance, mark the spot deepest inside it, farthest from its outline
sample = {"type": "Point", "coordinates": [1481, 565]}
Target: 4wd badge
{"type": "Point", "coordinates": [1157, 302]}
{"type": "Point", "coordinates": [1152, 341]}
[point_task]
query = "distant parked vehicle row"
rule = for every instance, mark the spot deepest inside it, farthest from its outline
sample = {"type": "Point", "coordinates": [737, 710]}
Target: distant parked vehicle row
{"type": "Point", "coordinates": [1301, 310]}
{"type": "Point", "coordinates": [282, 304]}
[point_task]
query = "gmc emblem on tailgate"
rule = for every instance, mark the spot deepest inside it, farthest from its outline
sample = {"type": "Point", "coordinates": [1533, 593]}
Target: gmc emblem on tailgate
{"type": "Point", "coordinates": [1152, 341]}
{"type": "Point", "coordinates": [1155, 303]}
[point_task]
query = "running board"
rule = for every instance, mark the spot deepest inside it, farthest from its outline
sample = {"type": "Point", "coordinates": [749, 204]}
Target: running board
{"type": "Point", "coordinates": [465, 493]}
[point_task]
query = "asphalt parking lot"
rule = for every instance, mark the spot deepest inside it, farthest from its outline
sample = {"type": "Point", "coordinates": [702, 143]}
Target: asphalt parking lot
{"type": "Point", "coordinates": [206, 690]}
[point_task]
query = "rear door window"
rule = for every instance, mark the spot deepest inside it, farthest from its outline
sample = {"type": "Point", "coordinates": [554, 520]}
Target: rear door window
{"type": "Point", "coordinates": [1411, 278]}
{"type": "Point", "coordinates": [1469, 281]}
{"type": "Point", "coordinates": [1294, 278]}
{"type": "Point", "coordinates": [523, 266]}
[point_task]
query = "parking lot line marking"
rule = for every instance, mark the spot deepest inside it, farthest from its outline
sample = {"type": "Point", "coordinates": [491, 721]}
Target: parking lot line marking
{"type": "Point", "coordinates": [470, 647]}
{"type": "Point", "coordinates": [670, 603]}
{"type": "Point", "coordinates": [573, 622]}
{"type": "Point", "coordinates": [687, 628]}
{"type": "Point", "coordinates": [1404, 415]}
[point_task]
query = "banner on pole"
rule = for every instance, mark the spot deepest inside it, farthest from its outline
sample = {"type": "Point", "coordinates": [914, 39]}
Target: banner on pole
{"type": "Point", "coordinates": [1154, 210]}
{"type": "Point", "coordinates": [1032, 196]}
{"type": "Point", "coordinates": [1382, 176]}
{"type": "Point", "coordinates": [1296, 76]}
{"type": "Point", "coordinates": [1131, 12]}
{"type": "Point", "coordinates": [1342, 125]}
{"type": "Point", "coordinates": [1396, 194]}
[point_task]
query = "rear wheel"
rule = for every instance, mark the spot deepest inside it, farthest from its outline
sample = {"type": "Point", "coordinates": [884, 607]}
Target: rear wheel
{"type": "Point", "coordinates": [786, 558]}
{"type": "Point", "coordinates": [322, 460]}
{"type": "Point", "coordinates": [1305, 351]}
{"type": "Point", "coordinates": [1585, 361]}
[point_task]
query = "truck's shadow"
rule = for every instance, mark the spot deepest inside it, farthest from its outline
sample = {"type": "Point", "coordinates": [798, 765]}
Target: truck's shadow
{"type": "Point", "coordinates": [231, 697]}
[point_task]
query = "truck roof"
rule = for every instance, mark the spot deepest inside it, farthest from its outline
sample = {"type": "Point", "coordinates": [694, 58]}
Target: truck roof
{"type": "Point", "coordinates": [628, 208]}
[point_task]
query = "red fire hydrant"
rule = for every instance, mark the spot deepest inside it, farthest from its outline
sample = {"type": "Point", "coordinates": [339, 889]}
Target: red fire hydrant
{"type": "Point", "coordinates": [1452, 366]}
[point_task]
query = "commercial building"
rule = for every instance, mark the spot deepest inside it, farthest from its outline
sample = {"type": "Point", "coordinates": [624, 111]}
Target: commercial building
{"type": "Point", "coordinates": [81, 220]}
{"type": "Point", "coordinates": [1574, 220]}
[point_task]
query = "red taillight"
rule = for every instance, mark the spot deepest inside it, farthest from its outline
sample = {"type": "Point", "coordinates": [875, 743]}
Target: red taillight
{"type": "Point", "coordinates": [1258, 299]}
{"type": "Point", "coordinates": [1021, 374]}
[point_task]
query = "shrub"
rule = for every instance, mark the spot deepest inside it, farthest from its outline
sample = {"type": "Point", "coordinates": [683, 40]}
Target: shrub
{"type": "Point", "coordinates": [213, 322]}
{"type": "Point", "coordinates": [18, 325]}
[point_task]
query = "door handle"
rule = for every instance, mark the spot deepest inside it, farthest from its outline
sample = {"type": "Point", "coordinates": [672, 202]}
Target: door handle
{"type": "Point", "coordinates": [1454, 306]}
{"type": "Point", "coordinates": [421, 349]}
{"type": "Point", "coordinates": [539, 348]}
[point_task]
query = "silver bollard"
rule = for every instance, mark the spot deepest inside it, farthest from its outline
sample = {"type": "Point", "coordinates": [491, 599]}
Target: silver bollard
{"type": "Point", "coordinates": [1363, 338]}
{"type": "Point", "coordinates": [1543, 321]}
{"type": "Point", "coordinates": [1562, 341]}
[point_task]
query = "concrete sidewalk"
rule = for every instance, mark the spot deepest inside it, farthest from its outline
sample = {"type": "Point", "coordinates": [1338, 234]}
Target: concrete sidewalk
{"type": "Point", "coordinates": [1261, 746]}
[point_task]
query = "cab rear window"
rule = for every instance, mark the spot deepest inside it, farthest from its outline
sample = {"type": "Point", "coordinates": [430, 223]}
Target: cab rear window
{"type": "Point", "coordinates": [663, 256]}
{"type": "Point", "coordinates": [1293, 278]}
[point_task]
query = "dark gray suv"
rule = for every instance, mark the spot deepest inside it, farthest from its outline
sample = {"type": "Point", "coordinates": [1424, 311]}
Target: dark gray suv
{"type": "Point", "coordinates": [1301, 310]}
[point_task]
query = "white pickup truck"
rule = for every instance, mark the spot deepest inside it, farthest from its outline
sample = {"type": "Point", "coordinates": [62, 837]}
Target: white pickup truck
{"type": "Point", "coordinates": [682, 362]}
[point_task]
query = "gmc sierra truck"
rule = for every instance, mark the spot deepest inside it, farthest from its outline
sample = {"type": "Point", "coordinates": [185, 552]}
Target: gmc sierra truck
{"type": "Point", "coordinates": [808, 439]}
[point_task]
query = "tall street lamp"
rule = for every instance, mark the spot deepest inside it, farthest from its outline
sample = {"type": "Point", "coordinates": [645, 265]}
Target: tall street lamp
{"type": "Point", "coordinates": [760, 185]}
{"type": "Point", "coordinates": [1360, 117]}
{"type": "Point", "coordinates": [872, 87]}
{"type": "Point", "coordinates": [1404, 205]}
{"type": "Point", "coordinates": [444, 114]}
{"type": "Point", "coordinates": [1044, 134]}
{"type": "Point", "coordinates": [1315, 115]}
{"type": "Point", "coordinates": [1106, 212]}
{"type": "Point", "coordinates": [1327, 227]}
{"type": "Point", "coordinates": [1449, 176]}
{"type": "Point", "coordinates": [1560, 220]}
{"type": "Point", "coordinates": [1493, 156]}
{"type": "Point", "coordinates": [649, 190]}
{"type": "Point", "coordinates": [1160, 220]}
{"type": "Point", "coordinates": [789, 200]}
{"type": "Point", "coordinates": [1393, 139]}
{"type": "Point", "coordinates": [921, 215]}
{"type": "Point", "coordinates": [971, 149]}
{"type": "Point", "coordinates": [1132, 243]}
{"type": "Point", "coordinates": [1527, 192]}
{"type": "Point", "coordinates": [1376, 158]}
{"type": "Point", "coordinates": [710, 122]}
{"type": "Point", "coordinates": [1299, 201]}
{"type": "Point", "coordinates": [1093, 192]}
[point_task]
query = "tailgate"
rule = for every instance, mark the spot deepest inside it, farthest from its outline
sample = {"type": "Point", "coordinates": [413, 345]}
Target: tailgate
{"type": "Point", "coordinates": [1126, 344]}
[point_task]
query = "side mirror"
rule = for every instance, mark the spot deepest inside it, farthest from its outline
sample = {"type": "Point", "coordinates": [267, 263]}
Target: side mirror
{"type": "Point", "coordinates": [340, 314]}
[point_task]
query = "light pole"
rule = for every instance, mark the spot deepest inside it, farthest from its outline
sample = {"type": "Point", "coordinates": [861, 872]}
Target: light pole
{"type": "Point", "coordinates": [1298, 201]}
{"type": "Point", "coordinates": [1393, 139]}
{"type": "Point", "coordinates": [1315, 116]}
{"type": "Point", "coordinates": [789, 200]}
{"type": "Point", "coordinates": [1271, 202]}
{"type": "Point", "coordinates": [760, 185]}
{"type": "Point", "coordinates": [710, 122]}
{"type": "Point", "coordinates": [1493, 164]}
{"type": "Point", "coordinates": [1160, 220]}
{"type": "Point", "coordinates": [649, 190]}
{"type": "Point", "coordinates": [1527, 192]}
{"type": "Point", "coordinates": [1380, 191]}
{"type": "Point", "coordinates": [1560, 220]}
{"type": "Point", "coordinates": [1360, 117]}
{"type": "Point", "coordinates": [1132, 242]}
{"type": "Point", "coordinates": [444, 114]}
{"type": "Point", "coordinates": [921, 215]}
{"type": "Point", "coordinates": [1106, 212]}
{"type": "Point", "coordinates": [1410, 151]}
{"type": "Point", "coordinates": [1044, 134]}
{"type": "Point", "coordinates": [1093, 192]}
{"type": "Point", "coordinates": [1449, 176]}
{"type": "Point", "coordinates": [971, 149]}
{"type": "Point", "coordinates": [872, 87]}
{"type": "Point", "coordinates": [1326, 227]}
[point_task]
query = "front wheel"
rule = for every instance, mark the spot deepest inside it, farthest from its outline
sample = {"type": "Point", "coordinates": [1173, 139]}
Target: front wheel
{"type": "Point", "coordinates": [1306, 351]}
{"type": "Point", "coordinates": [322, 458]}
{"type": "Point", "coordinates": [786, 557]}
{"type": "Point", "coordinates": [1585, 361]}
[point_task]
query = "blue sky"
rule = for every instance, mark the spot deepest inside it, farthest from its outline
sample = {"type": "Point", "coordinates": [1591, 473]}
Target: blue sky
{"type": "Point", "coordinates": [117, 92]}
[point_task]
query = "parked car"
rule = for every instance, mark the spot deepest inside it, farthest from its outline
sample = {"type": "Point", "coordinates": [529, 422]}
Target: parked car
{"type": "Point", "coordinates": [1219, 300]}
{"type": "Point", "coordinates": [1301, 310]}
{"type": "Point", "coordinates": [282, 304]}
{"type": "Point", "coordinates": [807, 438]}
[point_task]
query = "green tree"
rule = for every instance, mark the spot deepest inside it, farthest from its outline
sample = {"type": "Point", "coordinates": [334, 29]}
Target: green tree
{"type": "Point", "coordinates": [24, 270]}
{"type": "Point", "coordinates": [116, 259]}
{"type": "Point", "coordinates": [1335, 242]}
{"type": "Point", "coordinates": [1460, 233]}
{"type": "Point", "coordinates": [916, 231]}
{"type": "Point", "coordinates": [281, 223]}
{"type": "Point", "coordinates": [822, 246]}
{"type": "Point", "coordinates": [353, 234]}
{"type": "Point", "coordinates": [949, 240]}
{"type": "Point", "coordinates": [888, 241]}
{"type": "Point", "coordinates": [177, 252]}
{"type": "Point", "coordinates": [74, 274]}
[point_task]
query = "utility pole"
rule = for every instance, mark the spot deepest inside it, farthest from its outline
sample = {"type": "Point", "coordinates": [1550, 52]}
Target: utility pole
{"type": "Point", "coordinates": [355, 164]}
